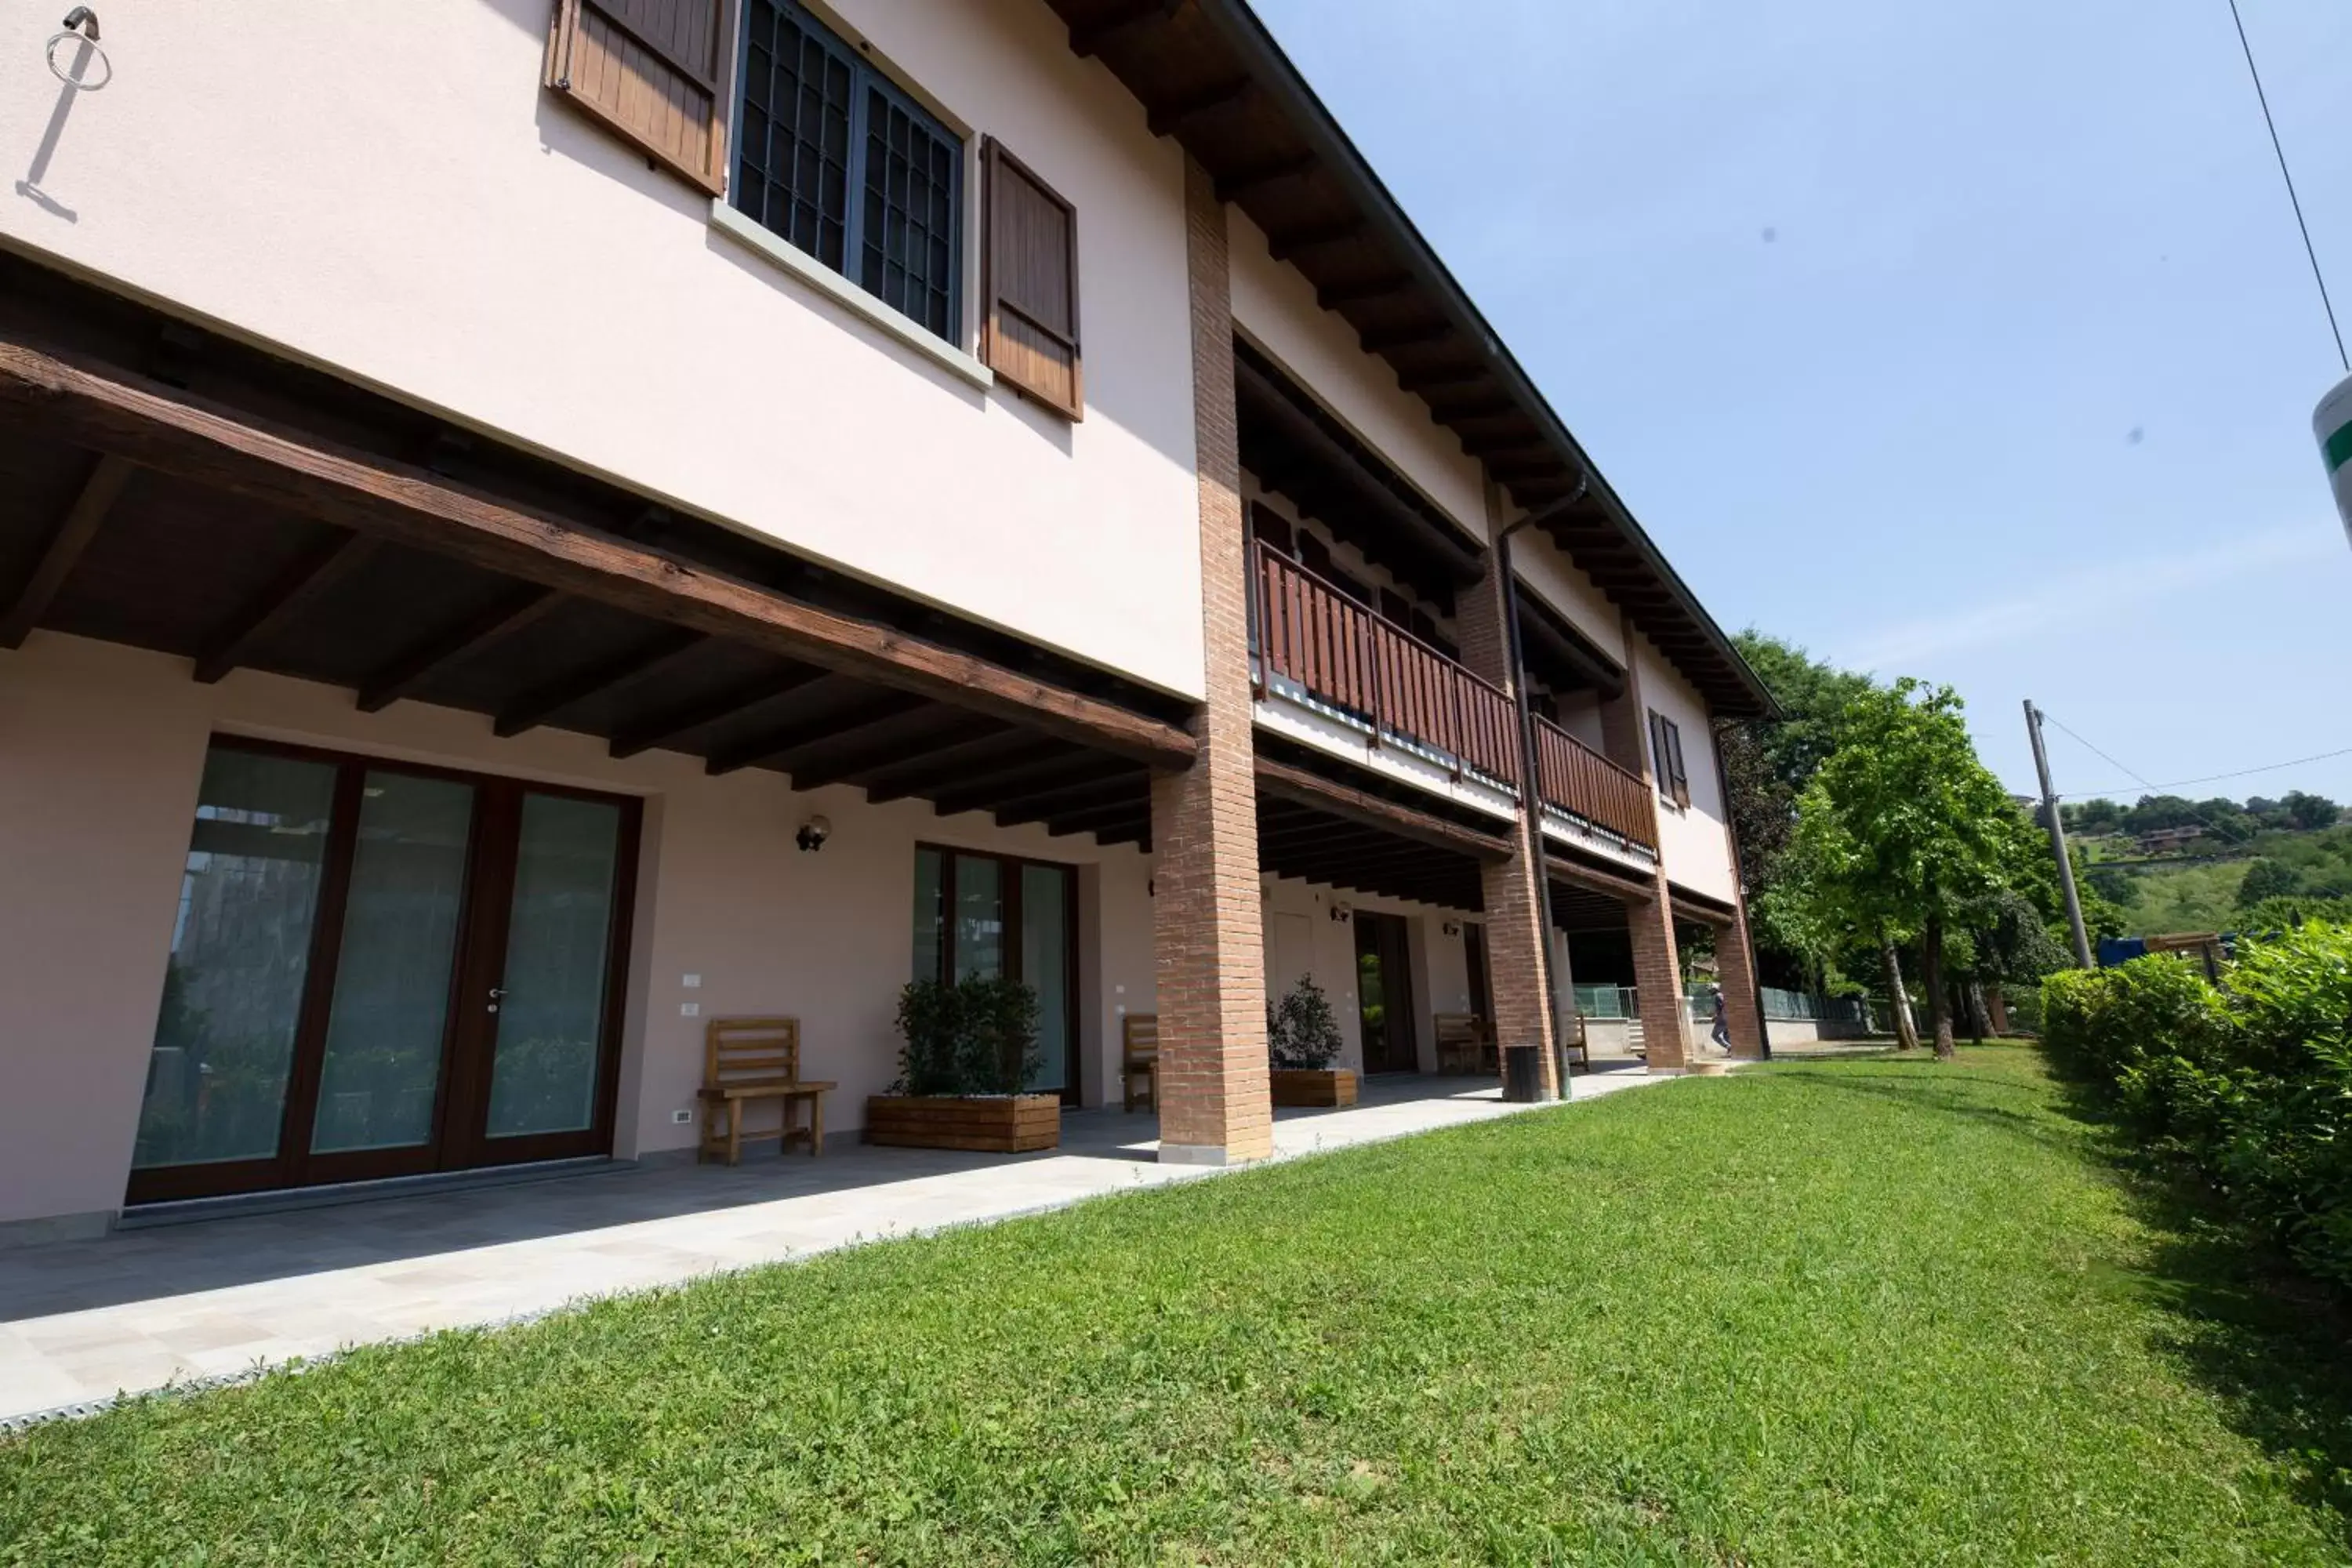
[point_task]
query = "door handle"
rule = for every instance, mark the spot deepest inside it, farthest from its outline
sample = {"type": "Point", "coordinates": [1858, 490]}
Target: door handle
{"type": "Point", "coordinates": [496, 992]}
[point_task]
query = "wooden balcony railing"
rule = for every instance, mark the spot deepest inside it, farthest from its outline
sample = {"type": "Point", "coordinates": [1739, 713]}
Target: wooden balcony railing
{"type": "Point", "coordinates": [1316, 638]}
{"type": "Point", "coordinates": [1580, 780]}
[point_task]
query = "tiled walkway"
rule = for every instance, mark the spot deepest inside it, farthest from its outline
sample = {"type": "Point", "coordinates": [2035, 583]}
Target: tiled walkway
{"type": "Point", "coordinates": [81, 1321]}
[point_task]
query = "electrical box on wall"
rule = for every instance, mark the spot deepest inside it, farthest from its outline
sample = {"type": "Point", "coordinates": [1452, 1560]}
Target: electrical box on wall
{"type": "Point", "coordinates": [682, 1117]}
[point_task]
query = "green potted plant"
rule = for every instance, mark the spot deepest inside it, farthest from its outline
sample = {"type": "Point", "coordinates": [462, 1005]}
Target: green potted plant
{"type": "Point", "coordinates": [967, 1049]}
{"type": "Point", "coordinates": [1302, 1037]}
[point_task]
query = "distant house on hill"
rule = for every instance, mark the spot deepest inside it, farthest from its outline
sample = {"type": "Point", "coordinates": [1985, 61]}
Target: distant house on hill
{"type": "Point", "coordinates": [2168, 840]}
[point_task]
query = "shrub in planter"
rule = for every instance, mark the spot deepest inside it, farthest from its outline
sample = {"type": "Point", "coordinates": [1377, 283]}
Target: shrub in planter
{"type": "Point", "coordinates": [1302, 1037]}
{"type": "Point", "coordinates": [975, 1036]}
{"type": "Point", "coordinates": [1301, 1031]}
{"type": "Point", "coordinates": [968, 1049]}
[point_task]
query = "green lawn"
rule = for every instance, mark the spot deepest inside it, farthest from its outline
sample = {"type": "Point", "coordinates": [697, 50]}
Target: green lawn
{"type": "Point", "coordinates": [1864, 1311]}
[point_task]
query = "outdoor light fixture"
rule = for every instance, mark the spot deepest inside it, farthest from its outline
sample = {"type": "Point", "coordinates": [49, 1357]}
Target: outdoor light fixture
{"type": "Point", "coordinates": [1451, 928]}
{"type": "Point", "coordinates": [813, 834]}
{"type": "Point", "coordinates": [1340, 912]}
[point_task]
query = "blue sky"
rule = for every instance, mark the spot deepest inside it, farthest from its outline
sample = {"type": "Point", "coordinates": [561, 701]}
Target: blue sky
{"type": "Point", "coordinates": [1966, 341]}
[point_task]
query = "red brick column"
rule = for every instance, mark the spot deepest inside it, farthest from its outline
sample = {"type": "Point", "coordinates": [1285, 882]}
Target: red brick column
{"type": "Point", "coordinates": [1216, 1104]}
{"type": "Point", "coordinates": [1657, 958]}
{"type": "Point", "coordinates": [1518, 912]}
{"type": "Point", "coordinates": [1736, 971]}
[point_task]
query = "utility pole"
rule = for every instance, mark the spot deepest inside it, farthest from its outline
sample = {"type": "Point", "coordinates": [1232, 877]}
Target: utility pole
{"type": "Point", "coordinates": [2058, 838]}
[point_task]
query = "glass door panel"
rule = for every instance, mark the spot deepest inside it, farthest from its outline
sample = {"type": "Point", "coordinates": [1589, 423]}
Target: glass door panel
{"type": "Point", "coordinates": [240, 955]}
{"type": "Point", "coordinates": [551, 1003]}
{"type": "Point", "coordinates": [979, 916]}
{"type": "Point", "coordinates": [1046, 967]}
{"type": "Point", "coordinates": [380, 1074]}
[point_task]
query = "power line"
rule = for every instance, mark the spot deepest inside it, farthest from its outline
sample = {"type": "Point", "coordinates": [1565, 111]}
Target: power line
{"type": "Point", "coordinates": [2102, 755]}
{"type": "Point", "coordinates": [2296, 202]}
{"type": "Point", "coordinates": [2183, 784]}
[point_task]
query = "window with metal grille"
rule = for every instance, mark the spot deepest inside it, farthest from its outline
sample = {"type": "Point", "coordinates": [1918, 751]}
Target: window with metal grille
{"type": "Point", "coordinates": [837, 160]}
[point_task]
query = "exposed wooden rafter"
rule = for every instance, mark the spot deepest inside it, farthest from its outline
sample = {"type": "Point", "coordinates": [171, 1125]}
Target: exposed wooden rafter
{"type": "Point", "coordinates": [1285, 243]}
{"type": "Point", "coordinates": [1091, 40]}
{"type": "Point", "coordinates": [1242, 182]}
{"type": "Point", "coordinates": [687, 718]}
{"type": "Point", "coordinates": [414, 669]}
{"type": "Point", "coordinates": [537, 707]}
{"type": "Point", "coordinates": [1173, 118]}
{"type": "Point", "coordinates": [1385, 286]}
{"type": "Point", "coordinates": [160, 427]}
{"type": "Point", "coordinates": [79, 526]}
{"type": "Point", "coordinates": [777, 744]}
{"type": "Point", "coordinates": [892, 749]}
{"type": "Point", "coordinates": [288, 595]}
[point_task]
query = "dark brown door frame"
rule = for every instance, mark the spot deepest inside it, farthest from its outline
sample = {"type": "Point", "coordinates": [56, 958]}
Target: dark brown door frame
{"type": "Point", "coordinates": [1389, 940]}
{"type": "Point", "coordinates": [460, 1089]}
{"type": "Point", "coordinates": [1008, 885]}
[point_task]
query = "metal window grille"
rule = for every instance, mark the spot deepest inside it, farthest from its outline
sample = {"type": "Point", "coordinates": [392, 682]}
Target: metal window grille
{"type": "Point", "coordinates": [838, 161]}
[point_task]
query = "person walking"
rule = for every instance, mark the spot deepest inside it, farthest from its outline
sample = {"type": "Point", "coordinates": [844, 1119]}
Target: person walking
{"type": "Point", "coordinates": [1721, 1033]}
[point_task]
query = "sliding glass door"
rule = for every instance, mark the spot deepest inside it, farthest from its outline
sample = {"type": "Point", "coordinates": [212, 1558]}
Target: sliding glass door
{"type": "Point", "coordinates": [995, 914]}
{"type": "Point", "coordinates": [382, 969]}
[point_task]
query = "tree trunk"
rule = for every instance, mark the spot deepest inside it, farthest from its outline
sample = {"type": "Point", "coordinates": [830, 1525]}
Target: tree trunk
{"type": "Point", "coordinates": [1939, 1002]}
{"type": "Point", "coordinates": [1977, 1012]}
{"type": "Point", "coordinates": [1906, 1037]}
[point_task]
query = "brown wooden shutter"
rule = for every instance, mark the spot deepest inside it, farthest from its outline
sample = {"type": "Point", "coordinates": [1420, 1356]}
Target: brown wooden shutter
{"type": "Point", "coordinates": [650, 70]}
{"type": "Point", "coordinates": [1029, 284]}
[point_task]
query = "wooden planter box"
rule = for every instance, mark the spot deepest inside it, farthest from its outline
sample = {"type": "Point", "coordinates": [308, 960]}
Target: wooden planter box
{"type": "Point", "coordinates": [993, 1124]}
{"type": "Point", "coordinates": [1317, 1087]}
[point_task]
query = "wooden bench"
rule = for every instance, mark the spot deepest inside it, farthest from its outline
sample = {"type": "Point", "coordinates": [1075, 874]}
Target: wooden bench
{"type": "Point", "coordinates": [747, 1060]}
{"type": "Point", "coordinates": [1139, 1058]}
{"type": "Point", "coordinates": [1463, 1047]}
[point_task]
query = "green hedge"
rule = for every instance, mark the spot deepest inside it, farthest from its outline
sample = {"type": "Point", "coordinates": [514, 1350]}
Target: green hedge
{"type": "Point", "coordinates": [2250, 1083]}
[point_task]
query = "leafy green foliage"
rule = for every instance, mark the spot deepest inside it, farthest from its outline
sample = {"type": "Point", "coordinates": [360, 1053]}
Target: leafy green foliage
{"type": "Point", "coordinates": [977, 1036]}
{"type": "Point", "coordinates": [2267, 878]}
{"type": "Point", "coordinates": [1301, 1030]}
{"type": "Point", "coordinates": [2274, 915]}
{"type": "Point", "coordinates": [2250, 1086]}
{"type": "Point", "coordinates": [1914, 1321]}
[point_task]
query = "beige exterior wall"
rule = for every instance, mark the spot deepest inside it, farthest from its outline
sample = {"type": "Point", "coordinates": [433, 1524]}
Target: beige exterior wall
{"type": "Point", "coordinates": [1692, 842]}
{"type": "Point", "coordinates": [1273, 306]}
{"type": "Point", "coordinates": [387, 191]}
{"type": "Point", "coordinates": [1544, 567]}
{"type": "Point", "coordinates": [1302, 938]}
{"type": "Point", "coordinates": [104, 747]}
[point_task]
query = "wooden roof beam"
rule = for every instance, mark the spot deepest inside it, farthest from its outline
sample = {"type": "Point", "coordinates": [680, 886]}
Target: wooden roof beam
{"type": "Point", "coordinates": [989, 790]}
{"type": "Point", "coordinates": [1382, 340]}
{"type": "Point", "coordinates": [1445, 375]}
{"type": "Point", "coordinates": [1091, 40]}
{"type": "Point", "coordinates": [432, 656]}
{"type": "Point", "coordinates": [775, 745]}
{"type": "Point", "coordinates": [74, 532]}
{"type": "Point", "coordinates": [1287, 243]}
{"type": "Point", "coordinates": [1176, 117]}
{"type": "Point", "coordinates": [1295, 783]}
{"type": "Point", "coordinates": [894, 749]}
{"type": "Point", "coordinates": [173, 432]}
{"type": "Point", "coordinates": [1386, 285]}
{"type": "Point", "coordinates": [276, 606]}
{"type": "Point", "coordinates": [961, 763]}
{"type": "Point", "coordinates": [687, 718]}
{"type": "Point", "coordinates": [541, 703]}
{"type": "Point", "coordinates": [1255, 177]}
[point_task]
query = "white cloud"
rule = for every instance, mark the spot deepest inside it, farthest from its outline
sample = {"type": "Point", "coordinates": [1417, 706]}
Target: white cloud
{"type": "Point", "coordinates": [2088, 594]}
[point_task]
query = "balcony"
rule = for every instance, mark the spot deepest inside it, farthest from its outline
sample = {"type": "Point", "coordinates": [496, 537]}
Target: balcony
{"type": "Point", "coordinates": [1579, 782]}
{"type": "Point", "coordinates": [1315, 642]}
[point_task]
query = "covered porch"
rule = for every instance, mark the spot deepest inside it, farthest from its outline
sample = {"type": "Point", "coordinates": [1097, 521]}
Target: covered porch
{"type": "Point", "coordinates": [215, 1298]}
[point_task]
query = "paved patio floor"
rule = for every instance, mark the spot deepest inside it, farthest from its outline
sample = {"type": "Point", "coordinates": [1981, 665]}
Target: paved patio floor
{"type": "Point", "coordinates": [83, 1320]}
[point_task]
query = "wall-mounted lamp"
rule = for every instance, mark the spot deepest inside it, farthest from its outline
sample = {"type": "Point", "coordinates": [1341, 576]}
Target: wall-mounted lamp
{"type": "Point", "coordinates": [1452, 927]}
{"type": "Point", "coordinates": [80, 26]}
{"type": "Point", "coordinates": [1342, 912]}
{"type": "Point", "coordinates": [813, 834]}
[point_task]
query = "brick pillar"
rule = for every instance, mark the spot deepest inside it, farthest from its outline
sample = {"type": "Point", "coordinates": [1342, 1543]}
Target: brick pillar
{"type": "Point", "coordinates": [1736, 971]}
{"type": "Point", "coordinates": [1517, 909]}
{"type": "Point", "coordinates": [1657, 958]}
{"type": "Point", "coordinates": [1735, 952]}
{"type": "Point", "coordinates": [1216, 1106]}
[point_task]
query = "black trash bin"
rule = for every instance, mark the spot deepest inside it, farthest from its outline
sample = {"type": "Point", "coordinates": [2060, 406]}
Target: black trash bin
{"type": "Point", "coordinates": [1523, 1074]}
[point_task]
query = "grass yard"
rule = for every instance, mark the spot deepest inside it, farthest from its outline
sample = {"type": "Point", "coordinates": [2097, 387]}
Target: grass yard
{"type": "Point", "coordinates": [1864, 1311]}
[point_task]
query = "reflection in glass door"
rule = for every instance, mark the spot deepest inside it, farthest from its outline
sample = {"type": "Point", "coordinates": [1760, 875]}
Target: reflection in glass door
{"type": "Point", "coordinates": [550, 997]}
{"type": "Point", "coordinates": [385, 1029]}
{"type": "Point", "coordinates": [240, 955]}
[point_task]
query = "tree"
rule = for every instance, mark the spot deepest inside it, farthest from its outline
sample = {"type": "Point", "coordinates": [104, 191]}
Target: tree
{"type": "Point", "coordinates": [1902, 827]}
{"type": "Point", "coordinates": [2267, 878]}
{"type": "Point", "coordinates": [1767, 763]}
{"type": "Point", "coordinates": [2309, 810]}
{"type": "Point", "coordinates": [2101, 816]}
